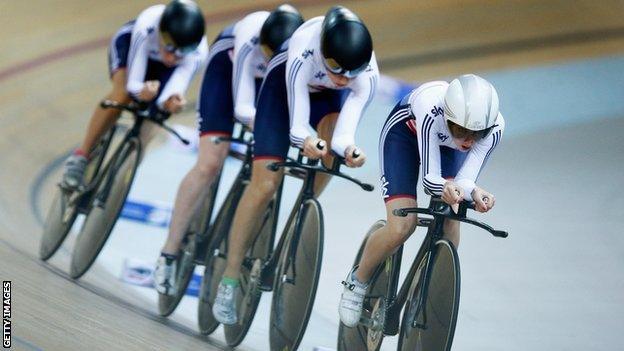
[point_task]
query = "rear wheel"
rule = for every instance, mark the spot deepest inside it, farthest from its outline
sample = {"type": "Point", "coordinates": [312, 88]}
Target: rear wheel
{"type": "Point", "coordinates": [101, 219]}
{"type": "Point", "coordinates": [62, 213]}
{"type": "Point", "coordinates": [370, 336]}
{"type": "Point", "coordinates": [185, 264]}
{"type": "Point", "coordinates": [297, 276]}
{"type": "Point", "coordinates": [248, 298]}
{"type": "Point", "coordinates": [216, 259]}
{"type": "Point", "coordinates": [430, 315]}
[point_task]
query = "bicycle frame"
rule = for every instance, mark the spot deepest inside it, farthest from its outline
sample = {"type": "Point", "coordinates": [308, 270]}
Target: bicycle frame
{"type": "Point", "coordinates": [310, 167]}
{"type": "Point", "coordinates": [105, 171]}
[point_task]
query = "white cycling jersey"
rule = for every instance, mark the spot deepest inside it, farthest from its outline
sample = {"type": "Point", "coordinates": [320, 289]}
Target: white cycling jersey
{"type": "Point", "coordinates": [248, 63]}
{"type": "Point", "coordinates": [145, 44]}
{"type": "Point", "coordinates": [427, 107]}
{"type": "Point", "coordinates": [306, 73]}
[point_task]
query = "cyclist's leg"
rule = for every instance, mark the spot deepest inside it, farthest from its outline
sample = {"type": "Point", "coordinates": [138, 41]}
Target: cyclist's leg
{"type": "Point", "coordinates": [264, 184]}
{"type": "Point", "coordinates": [103, 119]}
{"type": "Point", "coordinates": [271, 142]}
{"type": "Point", "coordinates": [192, 188]}
{"type": "Point", "coordinates": [215, 119]}
{"type": "Point", "coordinates": [451, 162]}
{"type": "Point", "coordinates": [387, 239]}
{"type": "Point", "coordinates": [399, 165]}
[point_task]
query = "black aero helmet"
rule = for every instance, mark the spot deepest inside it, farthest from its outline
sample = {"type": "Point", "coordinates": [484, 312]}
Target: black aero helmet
{"type": "Point", "coordinates": [346, 44]}
{"type": "Point", "coordinates": [278, 27]}
{"type": "Point", "coordinates": [181, 26]}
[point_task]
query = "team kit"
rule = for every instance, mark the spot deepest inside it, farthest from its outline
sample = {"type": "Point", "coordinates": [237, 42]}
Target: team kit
{"type": "Point", "coordinates": [293, 82]}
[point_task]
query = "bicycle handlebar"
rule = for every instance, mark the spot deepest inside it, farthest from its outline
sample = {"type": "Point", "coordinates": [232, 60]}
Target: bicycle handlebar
{"type": "Point", "coordinates": [334, 171]}
{"type": "Point", "coordinates": [142, 110]}
{"type": "Point", "coordinates": [446, 212]}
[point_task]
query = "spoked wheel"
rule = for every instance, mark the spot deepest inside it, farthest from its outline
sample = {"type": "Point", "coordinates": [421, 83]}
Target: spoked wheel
{"type": "Point", "coordinates": [185, 264]}
{"type": "Point", "coordinates": [248, 296]}
{"type": "Point", "coordinates": [430, 314]}
{"type": "Point", "coordinates": [368, 336]}
{"type": "Point", "coordinates": [216, 260]}
{"type": "Point", "coordinates": [63, 209]}
{"type": "Point", "coordinates": [297, 276]}
{"type": "Point", "coordinates": [102, 217]}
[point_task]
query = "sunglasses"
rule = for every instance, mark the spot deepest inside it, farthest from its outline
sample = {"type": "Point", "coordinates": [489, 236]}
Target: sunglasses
{"type": "Point", "coordinates": [460, 132]}
{"type": "Point", "coordinates": [335, 68]}
{"type": "Point", "coordinates": [170, 47]}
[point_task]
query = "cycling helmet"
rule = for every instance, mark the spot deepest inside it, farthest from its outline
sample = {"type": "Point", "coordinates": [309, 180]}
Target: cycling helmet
{"type": "Point", "coordinates": [278, 27]}
{"type": "Point", "coordinates": [181, 27]}
{"type": "Point", "coordinates": [346, 44]}
{"type": "Point", "coordinates": [470, 107]}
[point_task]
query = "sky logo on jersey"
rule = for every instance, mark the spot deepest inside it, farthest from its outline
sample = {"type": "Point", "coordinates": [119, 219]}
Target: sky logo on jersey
{"type": "Point", "coordinates": [307, 53]}
{"type": "Point", "coordinates": [319, 75]}
{"type": "Point", "coordinates": [437, 111]}
{"type": "Point", "coordinates": [442, 137]}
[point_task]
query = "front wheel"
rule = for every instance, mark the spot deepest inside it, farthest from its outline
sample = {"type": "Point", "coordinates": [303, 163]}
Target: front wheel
{"type": "Point", "coordinates": [430, 314]}
{"type": "Point", "coordinates": [101, 219]}
{"type": "Point", "coordinates": [368, 336]}
{"type": "Point", "coordinates": [297, 276]}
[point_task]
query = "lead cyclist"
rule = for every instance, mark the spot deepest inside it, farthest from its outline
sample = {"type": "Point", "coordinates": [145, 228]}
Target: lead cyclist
{"type": "Point", "coordinates": [449, 131]}
{"type": "Point", "coordinates": [151, 59]}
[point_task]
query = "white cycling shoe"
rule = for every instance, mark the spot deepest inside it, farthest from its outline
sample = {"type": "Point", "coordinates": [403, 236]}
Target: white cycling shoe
{"type": "Point", "coordinates": [351, 300]}
{"type": "Point", "coordinates": [224, 308]}
{"type": "Point", "coordinates": [164, 276]}
{"type": "Point", "coordinates": [75, 166]}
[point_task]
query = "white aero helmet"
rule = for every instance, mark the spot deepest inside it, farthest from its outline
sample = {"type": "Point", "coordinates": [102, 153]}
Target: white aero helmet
{"type": "Point", "coordinates": [471, 102]}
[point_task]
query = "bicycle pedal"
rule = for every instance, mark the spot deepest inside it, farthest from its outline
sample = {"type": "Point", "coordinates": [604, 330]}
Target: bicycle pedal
{"type": "Point", "coordinates": [285, 279]}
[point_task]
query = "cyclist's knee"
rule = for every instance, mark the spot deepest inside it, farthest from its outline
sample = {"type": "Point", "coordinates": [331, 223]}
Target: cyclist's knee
{"type": "Point", "coordinates": [400, 229]}
{"type": "Point", "coordinates": [208, 169]}
{"type": "Point", "coordinates": [264, 187]}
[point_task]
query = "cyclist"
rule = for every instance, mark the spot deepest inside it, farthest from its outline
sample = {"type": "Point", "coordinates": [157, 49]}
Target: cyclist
{"type": "Point", "coordinates": [448, 131]}
{"type": "Point", "coordinates": [236, 65]}
{"type": "Point", "coordinates": [151, 59]}
{"type": "Point", "coordinates": [324, 77]}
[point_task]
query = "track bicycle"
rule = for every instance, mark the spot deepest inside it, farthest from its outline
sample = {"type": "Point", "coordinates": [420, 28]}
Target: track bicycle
{"type": "Point", "coordinates": [291, 269]}
{"type": "Point", "coordinates": [430, 292]}
{"type": "Point", "coordinates": [107, 181]}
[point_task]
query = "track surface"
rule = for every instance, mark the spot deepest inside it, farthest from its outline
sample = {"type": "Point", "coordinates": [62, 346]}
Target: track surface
{"type": "Point", "coordinates": [554, 283]}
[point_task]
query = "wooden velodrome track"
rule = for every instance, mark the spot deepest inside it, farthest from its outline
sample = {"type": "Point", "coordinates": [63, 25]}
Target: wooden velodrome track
{"type": "Point", "coordinates": [53, 71]}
